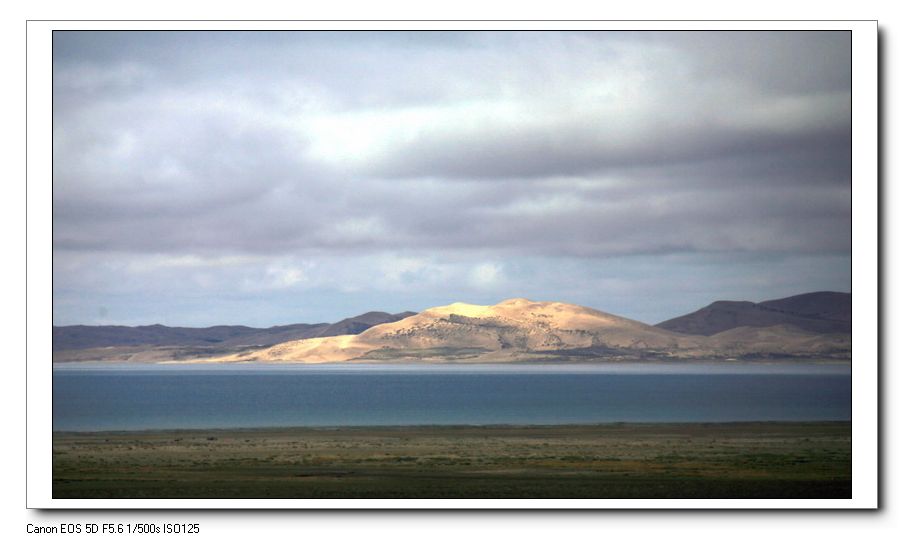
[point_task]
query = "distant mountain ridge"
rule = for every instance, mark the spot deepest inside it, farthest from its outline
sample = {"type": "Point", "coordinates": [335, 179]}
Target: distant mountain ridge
{"type": "Point", "coordinates": [817, 312]}
{"type": "Point", "coordinates": [521, 330]}
{"type": "Point", "coordinates": [82, 338]}
{"type": "Point", "coordinates": [806, 326]}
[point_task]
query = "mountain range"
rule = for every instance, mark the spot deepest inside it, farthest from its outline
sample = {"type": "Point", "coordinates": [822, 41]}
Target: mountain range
{"type": "Point", "coordinates": [806, 326]}
{"type": "Point", "coordinates": [820, 312]}
{"type": "Point", "coordinates": [157, 342]}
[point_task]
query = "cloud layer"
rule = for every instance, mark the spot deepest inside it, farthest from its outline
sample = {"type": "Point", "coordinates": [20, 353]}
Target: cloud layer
{"type": "Point", "coordinates": [405, 166]}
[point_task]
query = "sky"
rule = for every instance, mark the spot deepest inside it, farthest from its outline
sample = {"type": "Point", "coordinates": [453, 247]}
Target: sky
{"type": "Point", "coordinates": [265, 178]}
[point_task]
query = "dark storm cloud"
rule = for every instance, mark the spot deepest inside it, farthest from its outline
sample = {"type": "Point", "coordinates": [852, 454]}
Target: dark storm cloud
{"type": "Point", "coordinates": [304, 159]}
{"type": "Point", "coordinates": [579, 151]}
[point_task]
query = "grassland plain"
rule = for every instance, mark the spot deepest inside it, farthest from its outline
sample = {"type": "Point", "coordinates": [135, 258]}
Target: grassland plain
{"type": "Point", "coordinates": [701, 460]}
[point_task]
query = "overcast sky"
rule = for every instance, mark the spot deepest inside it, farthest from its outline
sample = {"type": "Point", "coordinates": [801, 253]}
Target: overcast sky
{"type": "Point", "coordinates": [266, 178]}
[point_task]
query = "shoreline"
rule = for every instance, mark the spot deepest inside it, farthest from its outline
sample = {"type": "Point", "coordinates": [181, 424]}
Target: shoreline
{"type": "Point", "coordinates": [551, 364]}
{"type": "Point", "coordinates": [728, 360]}
{"type": "Point", "coordinates": [450, 427]}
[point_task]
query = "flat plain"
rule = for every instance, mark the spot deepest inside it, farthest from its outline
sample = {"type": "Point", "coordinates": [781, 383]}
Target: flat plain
{"type": "Point", "coordinates": [682, 460]}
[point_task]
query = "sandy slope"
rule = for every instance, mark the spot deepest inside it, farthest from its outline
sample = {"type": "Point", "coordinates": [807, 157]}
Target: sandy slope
{"type": "Point", "coordinates": [515, 329]}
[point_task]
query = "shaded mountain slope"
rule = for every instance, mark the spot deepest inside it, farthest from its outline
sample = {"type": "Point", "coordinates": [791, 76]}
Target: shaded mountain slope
{"type": "Point", "coordinates": [834, 306]}
{"type": "Point", "coordinates": [817, 312]}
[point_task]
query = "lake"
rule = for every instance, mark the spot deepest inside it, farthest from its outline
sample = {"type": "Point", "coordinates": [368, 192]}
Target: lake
{"type": "Point", "coordinates": [128, 396]}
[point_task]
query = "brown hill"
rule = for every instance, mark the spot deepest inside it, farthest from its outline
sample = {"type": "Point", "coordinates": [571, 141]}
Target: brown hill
{"type": "Point", "coordinates": [779, 341]}
{"type": "Point", "coordinates": [523, 330]}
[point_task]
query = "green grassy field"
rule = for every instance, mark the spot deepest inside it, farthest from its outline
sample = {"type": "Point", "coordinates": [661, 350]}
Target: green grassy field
{"type": "Point", "coordinates": [734, 460]}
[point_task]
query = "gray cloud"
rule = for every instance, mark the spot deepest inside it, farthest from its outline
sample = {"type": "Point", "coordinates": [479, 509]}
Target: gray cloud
{"type": "Point", "coordinates": [264, 156]}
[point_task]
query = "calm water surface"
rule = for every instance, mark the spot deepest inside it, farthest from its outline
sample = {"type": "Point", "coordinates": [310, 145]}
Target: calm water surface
{"type": "Point", "coordinates": [107, 396]}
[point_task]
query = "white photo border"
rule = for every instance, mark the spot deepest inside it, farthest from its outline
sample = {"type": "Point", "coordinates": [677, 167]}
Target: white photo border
{"type": "Point", "coordinates": [864, 284]}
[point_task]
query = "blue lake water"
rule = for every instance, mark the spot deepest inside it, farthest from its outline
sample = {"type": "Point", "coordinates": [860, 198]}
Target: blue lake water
{"type": "Point", "coordinates": [89, 397]}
